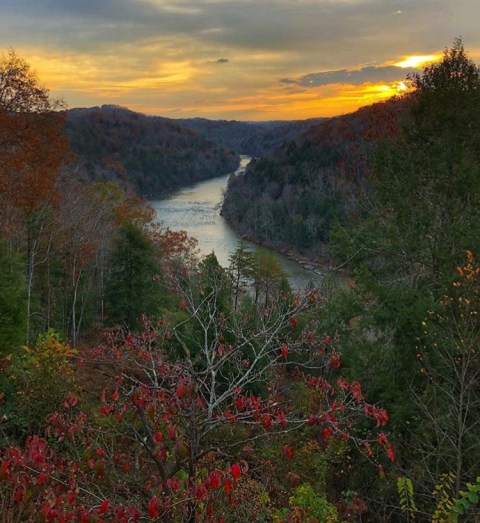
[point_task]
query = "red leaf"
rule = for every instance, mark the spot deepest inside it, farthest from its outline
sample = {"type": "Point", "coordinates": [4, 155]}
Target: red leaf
{"type": "Point", "coordinates": [181, 391]}
{"type": "Point", "coordinates": [391, 452]}
{"type": "Point", "coordinates": [201, 492]}
{"type": "Point", "coordinates": [216, 479]}
{"type": "Point", "coordinates": [334, 361]}
{"type": "Point", "coordinates": [70, 400]}
{"type": "Point", "coordinates": [171, 432]}
{"type": "Point", "coordinates": [5, 466]}
{"type": "Point", "coordinates": [288, 451]}
{"type": "Point", "coordinates": [227, 486]}
{"type": "Point", "coordinates": [284, 351]}
{"type": "Point", "coordinates": [356, 390]}
{"type": "Point", "coordinates": [236, 471]}
{"type": "Point", "coordinates": [153, 507]}
{"type": "Point", "coordinates": [382, 438]}
{"type": "Point", "coordinates": [327, 433]}
{"type": "Point", "coordinates": [104, 506]}
{"type": "Point", "coordinates": [18, 496]}
{"type": "Point", "coordinates": [266, 421]}
{"type": "Point", "coordinates": [293, 322]}
{"type": "Point", "coordinates": [115, 395]}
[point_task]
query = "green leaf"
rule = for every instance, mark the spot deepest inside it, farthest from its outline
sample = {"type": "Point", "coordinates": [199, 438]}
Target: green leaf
{"type": "Point", "coordinates": [473, 497]}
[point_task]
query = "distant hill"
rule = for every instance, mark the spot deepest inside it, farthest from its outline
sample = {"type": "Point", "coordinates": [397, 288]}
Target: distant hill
{"type": "Point", "coordinates": [290, 198]}
{"type": "Point", "coordinates": [146, 153]}
{"type": "Point", "coordinates": [250, 138]}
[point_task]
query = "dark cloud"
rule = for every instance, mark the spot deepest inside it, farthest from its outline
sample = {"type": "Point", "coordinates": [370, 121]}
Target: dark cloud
{"type": "Point", "coordinates": [330, 28]}
{"type": "Point", "coordinates": [94, 24]}
{"type": "Point", "coordinates": [220, 61]}
{"type": "Point", "coordinates": [373, 74]}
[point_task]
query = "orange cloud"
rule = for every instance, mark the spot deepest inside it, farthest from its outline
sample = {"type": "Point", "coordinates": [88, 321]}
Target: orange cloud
{"type": "Point", "coordinates": [413, 62]}
{"type": "Point", "coordinates": [166, 80]}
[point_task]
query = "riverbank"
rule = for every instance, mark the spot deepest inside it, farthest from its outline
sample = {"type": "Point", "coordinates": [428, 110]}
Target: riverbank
{"type": "Point", "coordinates": [196, 210]}
{"type": "Point", "coordinates": [318, 264]}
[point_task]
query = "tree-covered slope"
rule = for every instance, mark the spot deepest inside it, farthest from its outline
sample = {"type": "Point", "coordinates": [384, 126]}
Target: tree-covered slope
{"type": "Point", "coordinates": [290, 198]}
{"type": "Point", "coordinates": [251, 138]}
{"type": "Point", "coordinates": [149, 154]}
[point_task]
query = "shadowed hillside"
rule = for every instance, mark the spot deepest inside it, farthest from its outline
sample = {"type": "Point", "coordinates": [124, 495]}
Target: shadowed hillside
{"type": "Point", "coordinates": [149, 154]}
{"type": "Point", "coordinates": [290, 198]}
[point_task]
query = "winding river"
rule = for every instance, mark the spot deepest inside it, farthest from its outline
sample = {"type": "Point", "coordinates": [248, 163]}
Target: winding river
{"type": "Point", "coordinates": [196, 209]}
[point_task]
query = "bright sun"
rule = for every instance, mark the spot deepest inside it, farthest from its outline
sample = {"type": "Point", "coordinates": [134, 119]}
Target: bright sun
{"type": "Point", "coordinates": [416, 61]}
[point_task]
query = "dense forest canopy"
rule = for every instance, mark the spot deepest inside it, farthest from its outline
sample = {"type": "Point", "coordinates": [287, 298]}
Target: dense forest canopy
{"type": "Point", "coordinates": [150, 154]}
{"type": "Point", "coordinates": [290, 198]}
{"type": "Point", "coordinates": [249, 138]}
{"type": "Point", "coordinates": [140, 383]}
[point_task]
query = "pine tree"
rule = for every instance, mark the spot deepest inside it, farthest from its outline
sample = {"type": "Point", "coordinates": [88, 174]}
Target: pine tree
{"type": "Point", "coordinates": [131, 289]}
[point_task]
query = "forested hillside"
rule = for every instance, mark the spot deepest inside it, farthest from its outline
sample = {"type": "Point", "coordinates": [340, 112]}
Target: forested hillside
{"type": "Point", "coordinates": [149, 154]}
{"type": "Point", "coordinates": [250, 138]}
{"type": "Point", "coordinates": [290, 198]}
{"type": "Point", "coordinates": [410, 324]}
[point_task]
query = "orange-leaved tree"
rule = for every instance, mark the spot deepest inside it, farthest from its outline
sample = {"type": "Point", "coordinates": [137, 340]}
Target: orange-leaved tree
{"type": "Point", "coordinates": [33, 150]}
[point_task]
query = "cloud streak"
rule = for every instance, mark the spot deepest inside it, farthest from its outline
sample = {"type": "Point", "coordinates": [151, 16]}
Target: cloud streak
{"type": "Point", "coordinates": [358, 76]}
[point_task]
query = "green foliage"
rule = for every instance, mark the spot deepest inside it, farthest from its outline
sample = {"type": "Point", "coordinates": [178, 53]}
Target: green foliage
{"type": "Point", "coordinates": [42, 375]}
{"type": "Point", "coordinates": [404, 333]}
{"type": "Point", "coordinates": [448, 506]}
{"type": "Point", "coordinates": [311, 505]}
{"type": "Point", "coordinates": [13, 300]}
{"type": "Point", "coordinates": [405, 493]}
{"type": "Point", "coordinates": [467, 499]}
{"type": "Point", "coordinates": [269, 279]}
{"type": "Point", "coordinates": [444, 495]}
{"type": "Point", "coordinates": [241, 269]}
{"type": "Point", "coordinates": [292, 197]}
{"type": "Point", "coordinates": [131, 290]}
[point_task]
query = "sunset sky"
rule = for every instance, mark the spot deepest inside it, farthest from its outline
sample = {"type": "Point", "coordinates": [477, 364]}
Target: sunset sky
{"type": "Point", "coordinates": [233, 59]}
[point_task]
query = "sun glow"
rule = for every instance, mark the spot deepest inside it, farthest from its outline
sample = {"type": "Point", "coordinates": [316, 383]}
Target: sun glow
{"type": "Point", "coordinates": [417, 61]}
{"type": "Point", "coordinates": [171, 86]}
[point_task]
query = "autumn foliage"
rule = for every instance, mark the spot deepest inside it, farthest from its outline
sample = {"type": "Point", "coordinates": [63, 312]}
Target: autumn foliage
{"type": "Point", "coordinates": [170, 437]}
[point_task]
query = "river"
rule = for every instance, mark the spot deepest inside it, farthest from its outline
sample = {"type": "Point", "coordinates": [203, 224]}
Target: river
{"type": "Point", "coordinates": [196, 209]}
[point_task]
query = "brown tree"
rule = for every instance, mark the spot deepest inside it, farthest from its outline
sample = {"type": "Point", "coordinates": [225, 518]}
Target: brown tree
{"type": "Point", "coordinates": [33, 150]}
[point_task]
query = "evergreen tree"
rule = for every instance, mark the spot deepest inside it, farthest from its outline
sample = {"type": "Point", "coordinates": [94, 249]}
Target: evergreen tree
{"type": "Point", "coordinates": [241, 269]}
{"type": "Point", "coordinates": [424, 205]}
{"type": "Point", "coordinates": [410, 232]}
{"type": "Point", "coordinates": [131, 290]}
{"type": "Point", "coordinates": [13, 300]}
